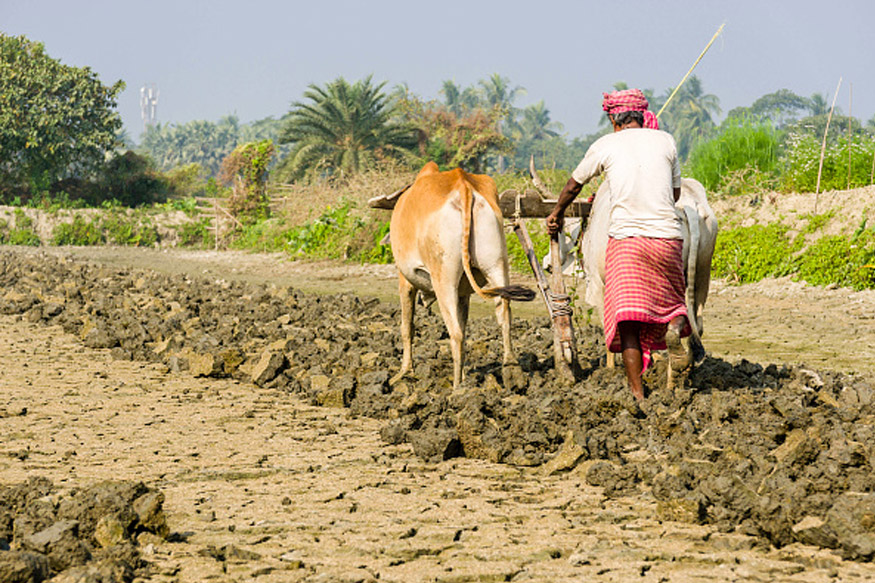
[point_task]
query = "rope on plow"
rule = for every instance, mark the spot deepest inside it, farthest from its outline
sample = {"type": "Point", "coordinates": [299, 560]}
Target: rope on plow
{"type": "Point", "coordinates": [560, 304]}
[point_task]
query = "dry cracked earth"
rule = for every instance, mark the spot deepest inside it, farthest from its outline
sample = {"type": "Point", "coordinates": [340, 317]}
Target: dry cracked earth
{"type": "Point", "coordinates": [173, 416]}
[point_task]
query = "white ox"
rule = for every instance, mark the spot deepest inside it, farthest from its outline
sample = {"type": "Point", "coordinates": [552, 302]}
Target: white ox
{"type": "Point", "coordinates": [447, 235]}
{"type": "Point", "coordinates": [700, 235]}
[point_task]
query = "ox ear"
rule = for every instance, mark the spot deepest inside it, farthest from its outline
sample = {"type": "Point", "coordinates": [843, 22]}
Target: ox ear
{"type": "Point", "coordinates": [429, 168]}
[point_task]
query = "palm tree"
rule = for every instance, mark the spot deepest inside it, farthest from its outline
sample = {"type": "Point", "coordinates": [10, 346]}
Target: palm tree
{"type": "Point", "coordinates": [688, 116]}
{"type": "Point", "coordinates": [535, 123]}
{"type": "Point", "coordinates": [498, 94]}
{"type": "Point", "coordinates": [533, 131]}
{"type": "Point", "coordinates": [342, 129]}
{"type": "Point", "coordinates": [817, 104]}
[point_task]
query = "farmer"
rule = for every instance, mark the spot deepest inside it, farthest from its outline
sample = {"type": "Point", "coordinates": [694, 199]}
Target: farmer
{"type": "Point", "coordinates": [644, 277]}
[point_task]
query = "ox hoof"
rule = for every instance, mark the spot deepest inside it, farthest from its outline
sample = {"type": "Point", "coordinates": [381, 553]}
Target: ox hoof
{"type": "Point", "coordinates": [512, 376]}
{"type": "Point", "coordinates": [403, 375]}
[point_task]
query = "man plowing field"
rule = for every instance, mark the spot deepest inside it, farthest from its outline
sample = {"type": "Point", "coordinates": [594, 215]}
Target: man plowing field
{"type": "Point", "coordinates": [644, 273]}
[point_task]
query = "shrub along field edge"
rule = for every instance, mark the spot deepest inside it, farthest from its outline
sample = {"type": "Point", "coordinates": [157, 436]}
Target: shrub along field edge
{"type": "Point", "coordinates": [820, 249]}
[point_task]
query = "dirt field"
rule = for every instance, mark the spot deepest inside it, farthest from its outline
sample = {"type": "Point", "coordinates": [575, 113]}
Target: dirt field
{"type": "Point", "coordinates": [261, 483]}
{"type": "Point", "coordinates": [776, 320]}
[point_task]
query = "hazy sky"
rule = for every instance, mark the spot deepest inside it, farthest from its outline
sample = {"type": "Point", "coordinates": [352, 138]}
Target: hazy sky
{"type": "Point", "coordinates": [254, 58]}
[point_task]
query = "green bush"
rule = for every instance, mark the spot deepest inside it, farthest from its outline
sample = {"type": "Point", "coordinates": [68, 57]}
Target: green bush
{"type": "Point", "coordinates": [841, 260]}
{"type": "Point", "coordinates": [196, 234]}
{"type": "Point", "coordinates": [121, 229]}
{"type": "Point", "coordinates": [324, 236]}
{"type": "Point", "coordinates": [742, 152]}
{"type": "Point", "coordinates": [79, 232]}
{"type": "Point", "coordinates": [23, 233]}
{"type": "Point", "coordinates": [187, 181]}
{"type": "Point", "coordinates": [266, 236]}
{"type": "Point", "coordinates": [802, 162]}
{"type": "Point", "coordinates": [186, 205]}
{"type": "Point", "coordinates": [749, 254]}
{"type": "Point", "coordinates": [130, 179]}
{"type": "Point", "coordinates": [366, 247]}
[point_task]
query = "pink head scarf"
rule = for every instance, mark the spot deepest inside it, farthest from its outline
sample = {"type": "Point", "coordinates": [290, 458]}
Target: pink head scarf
{"type": "Point", "coordinates": [630, 100]}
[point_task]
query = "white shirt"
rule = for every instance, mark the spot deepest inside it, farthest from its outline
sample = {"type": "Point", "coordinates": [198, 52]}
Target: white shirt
{"type": "Point", "coordinates": [641, 168]}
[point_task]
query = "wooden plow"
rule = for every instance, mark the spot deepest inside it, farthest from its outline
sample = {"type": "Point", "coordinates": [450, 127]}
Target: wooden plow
{"type": "Point", "coordinates": [533, 204]}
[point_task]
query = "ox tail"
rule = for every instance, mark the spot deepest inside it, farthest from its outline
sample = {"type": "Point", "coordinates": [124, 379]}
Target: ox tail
{"type": "Point", "coordinates": [517, 293]}
{"type": "Point", "coordinates": [691, 218]}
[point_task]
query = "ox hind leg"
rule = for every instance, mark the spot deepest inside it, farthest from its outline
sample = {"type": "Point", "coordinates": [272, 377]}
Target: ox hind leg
{"type": "Point", "coordinates": [512, 374]}
{"type": "Point", "coordinates": [407, 293]}
{"type": "Point", "coordinates": [454, 310]}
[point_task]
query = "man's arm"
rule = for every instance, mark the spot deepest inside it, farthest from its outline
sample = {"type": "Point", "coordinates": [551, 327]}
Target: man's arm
{"type": "Point", "coordinates": [557, 217]}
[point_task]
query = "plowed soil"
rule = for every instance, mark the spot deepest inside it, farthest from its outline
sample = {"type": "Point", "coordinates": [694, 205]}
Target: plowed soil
{"type": "Point", "coordinates": [253, 394]}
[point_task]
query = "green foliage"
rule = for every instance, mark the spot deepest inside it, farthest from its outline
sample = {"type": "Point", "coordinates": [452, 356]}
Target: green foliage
{"type": "Point", "coordinates": [341, 130]}
{"type": "Point", "coordinates": [689, 115]}
{"type": "Point", "coordinates": [186, 205]}
{"type": "Point", "coordinates": [115, 226]}
{"type": "Point", "coordinates": [246, 170]}
{"type": "Point", "coordinates": [378, 253]}
{"type": "Point", "coordinates": [52, 201]}
{"type": "Point", "coordinates": [779, 108]}
{"type": "Point", "coordinates": [199, 142]}
{"type": "Point", "coordinates": [749, 254]}
{"type": "Point", "coordinates": [135, 230]}
{"type": "Point", "coordinates": [322, 237]}
{"type": "Point", "coordinates": [740, 146]}
{"type": "Point", "coordinates": [79, 232]}
{"type": "Point", "coordinates": [264, 236]}
{"type": "Point", "coordinates": [204, 143]}
{"type": "Point", "coordinates": [55, 120]}
{"type": "Point", "coordinates": [815, 222]}
{"type": "Point", "coordinates": [196, 234]}
{"type": "Point", "coordinates": [131, 180]}
{"type": "Point", "coordinates": [22, 233]}
{"type": "Point", "coordinates": [187, 181]}
{"type": "Point", "coordinates": [841, 260]}
{"type": "Point", "coordinates": [802, 162]}
{"type": "Point", "coordinates": [540, 241]}
{"type": "Point", "coordinates": [452, 140]}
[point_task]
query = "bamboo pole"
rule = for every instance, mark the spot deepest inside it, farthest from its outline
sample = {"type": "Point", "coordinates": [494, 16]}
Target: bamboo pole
{"type": "Point", "coordinates": [872, 173]}
{"type": "Point", "coordinates": [823, 146]}
{"type": "Point", "coordinates": [702, 54]}
{"type": "Point", "coordinates": [850, 134]}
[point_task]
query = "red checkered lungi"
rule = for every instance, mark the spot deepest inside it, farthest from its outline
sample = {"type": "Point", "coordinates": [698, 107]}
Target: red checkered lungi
{"type": "Point", "coordinates": [644, 282]}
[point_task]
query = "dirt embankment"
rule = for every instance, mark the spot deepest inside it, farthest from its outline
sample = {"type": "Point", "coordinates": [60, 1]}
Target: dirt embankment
{"type": "Point", "coordinates": [776, 453]}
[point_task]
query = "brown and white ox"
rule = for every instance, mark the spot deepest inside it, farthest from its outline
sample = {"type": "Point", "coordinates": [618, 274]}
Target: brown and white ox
{"type": "Point", "coordinates": [700, 235]}
{"type": "Point", "coordinates": [447, 236]}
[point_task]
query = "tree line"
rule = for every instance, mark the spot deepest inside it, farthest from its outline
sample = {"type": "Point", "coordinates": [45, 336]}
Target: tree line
{"type": "Point", "coordinates": [60, 131]}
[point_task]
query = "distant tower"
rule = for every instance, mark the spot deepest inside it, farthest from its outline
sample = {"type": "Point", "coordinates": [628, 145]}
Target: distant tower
{"type": "Point", "coordinates": [149, 104]}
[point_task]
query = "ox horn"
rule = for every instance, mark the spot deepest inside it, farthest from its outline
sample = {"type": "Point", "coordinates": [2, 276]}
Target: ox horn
{"type": "Point", "coordinates": [536, 180]}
